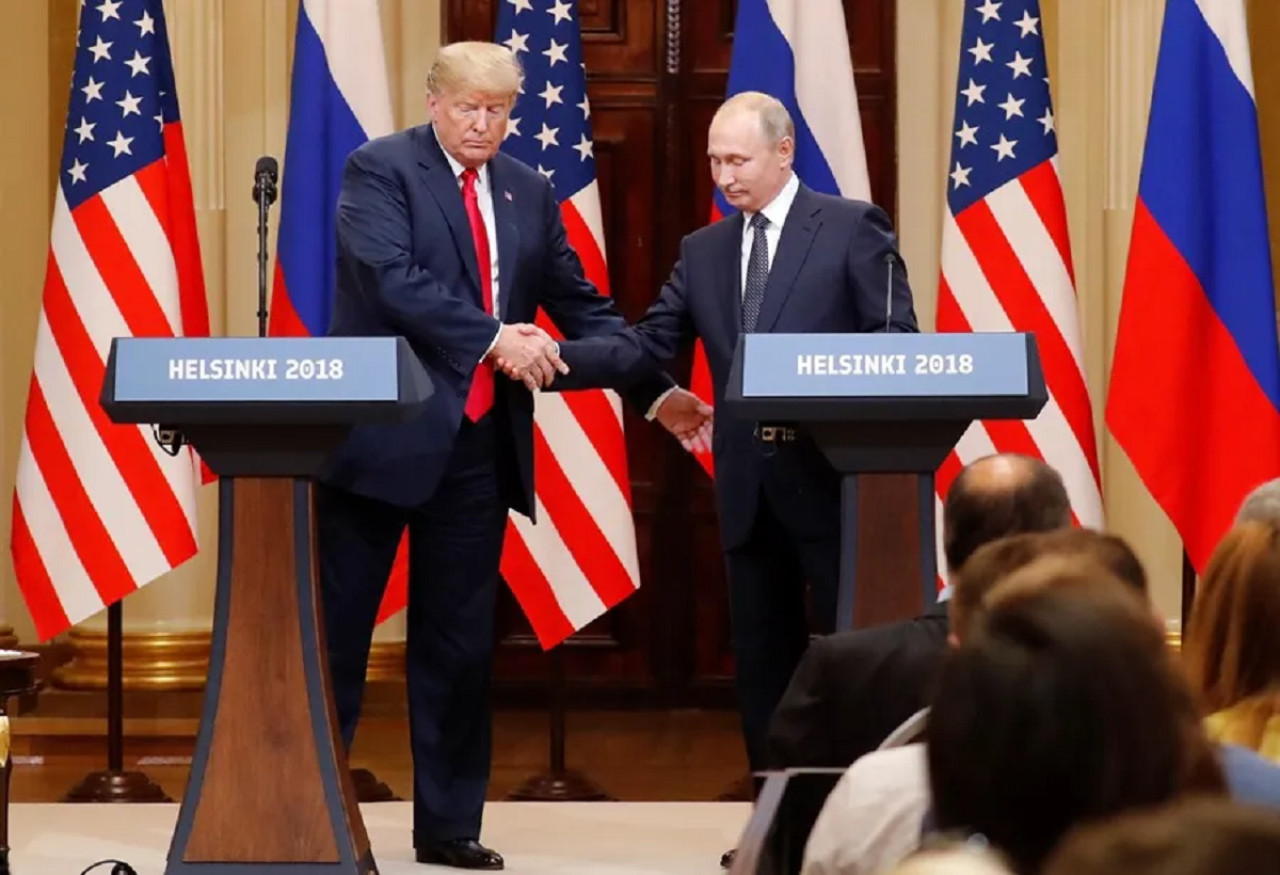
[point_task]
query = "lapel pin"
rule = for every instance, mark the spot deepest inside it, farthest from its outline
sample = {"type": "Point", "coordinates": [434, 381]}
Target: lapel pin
{"type": "Point", "coordinates": [507, 194]}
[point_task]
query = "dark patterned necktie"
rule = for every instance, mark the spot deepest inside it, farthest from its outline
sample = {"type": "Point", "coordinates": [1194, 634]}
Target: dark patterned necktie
{"type": "Point", "coordinates": [757, 274]}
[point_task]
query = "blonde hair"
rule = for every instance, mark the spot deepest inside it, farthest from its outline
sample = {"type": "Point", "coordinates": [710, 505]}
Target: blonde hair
{"type": "Point", "coordinates": [952, 860]}
{"type": "Point", "coordinates": [775, 121]}
{"type": "Point", "coordinates": [475, 66]}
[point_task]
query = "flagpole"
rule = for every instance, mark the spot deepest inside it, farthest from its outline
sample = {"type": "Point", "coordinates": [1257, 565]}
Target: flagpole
{"type": "Point", "coordinates": [114, 784]}
{"type": "Point", "coordinates": [558, 784]}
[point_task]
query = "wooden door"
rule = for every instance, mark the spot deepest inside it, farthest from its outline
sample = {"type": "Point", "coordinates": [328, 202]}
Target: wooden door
{"type": "Point", "coordinates": [657, 70]}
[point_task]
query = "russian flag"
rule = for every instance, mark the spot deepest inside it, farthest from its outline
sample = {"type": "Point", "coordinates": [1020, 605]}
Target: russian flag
{"type": "Point", "coordinates": [1194, 395]}
{"type": "Point", "coordinates": [798, 52]}
{"type": "Point", "coordinates": [338, 99]}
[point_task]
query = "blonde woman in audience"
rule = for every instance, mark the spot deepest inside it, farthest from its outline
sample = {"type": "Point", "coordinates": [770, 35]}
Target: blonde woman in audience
{"type": "Point", "coordinates": [960, 858]}
{"type": "Point", "coordinates": [1232, 643]}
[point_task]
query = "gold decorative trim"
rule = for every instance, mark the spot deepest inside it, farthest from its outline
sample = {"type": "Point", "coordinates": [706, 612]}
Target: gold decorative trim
{"type": "Point", "coordinates": [156, 661]}
{"type": "Point", "coordinates": [1174, 639]}
{"type": "Point", "coordinates": [386, 661]}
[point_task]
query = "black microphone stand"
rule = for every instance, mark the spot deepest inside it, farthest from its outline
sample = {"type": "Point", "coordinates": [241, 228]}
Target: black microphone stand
{"type": "Point", "coordinates": [264, 195]}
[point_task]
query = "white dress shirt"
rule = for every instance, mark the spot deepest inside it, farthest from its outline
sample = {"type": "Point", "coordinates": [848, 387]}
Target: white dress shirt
{"type": "Point", "coordinates": [484, 198]}
{"type": "Point", "coordinates": [776, 212]}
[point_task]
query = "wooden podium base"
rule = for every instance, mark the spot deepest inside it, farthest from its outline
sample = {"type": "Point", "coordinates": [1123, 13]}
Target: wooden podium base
{"type": "Point", "coordinates": [270, 792]}
{"type": "Point", "coordinates": [110, 786]}
{"type": "Point", "coordinates": [566, 786]}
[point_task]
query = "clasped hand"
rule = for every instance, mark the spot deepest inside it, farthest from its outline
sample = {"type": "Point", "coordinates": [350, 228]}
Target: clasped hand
{"type": "Point", "coordinates": [527, 353]}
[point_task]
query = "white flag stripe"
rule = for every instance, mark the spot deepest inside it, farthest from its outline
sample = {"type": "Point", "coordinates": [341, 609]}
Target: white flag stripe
{"type": "Point", "coordinates": [1040, 258]}
{"type": "Point", "coordinates": [982, 309]}
{"type": "Point", "coordinates": [71, 582]}
{"type": "Point", "coordinates": [111, 499]}
{"type": "Point", "coordinates": [974, 444]}
{"type": "Point", "coordinates": [589, 477]}
{"type": "Point", "coordinates": [351, 33]}
{"type": "Point", "coordinates": [825, 89]}
{"type": "Point", "coordinates": [943, 571]}
{"type": "Point", "coordinates": [574, 594]}
{"type": "Point", "coordinates": [587, 203]}
{"type": "Point", "coordinates": [99, 316]}
{"type": "Point", "coordinates": [148, 243]}
{"type": "Point", "coordinates": [1227, 20]}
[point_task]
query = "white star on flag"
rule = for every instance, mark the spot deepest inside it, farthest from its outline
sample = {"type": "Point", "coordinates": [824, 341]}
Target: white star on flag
{"type": "Point", "coordinates": [556, 52]}
{"type": "Point", "coordinates": [101, 50]}
{"type": "Point", "coordinates": [981, 51]}
{"type": "Point", "coordinates": [77, 171]}
{"type": "Point", "coordinates": [1019, 65]}
{"type": "Point", "coordinates": [551, 94]}
{"type": "Point", "coordinates": [138, 64]}
{"type": "Point", "coordinates": [1011, 107]}
{"type": "Point", "coordinates": [129, 104]}
{"type": "Point", "coordinates": [1027, 24]}
{"type": "Point", "coordinates": [146, 24]}
{"type": "Point", "coordinates": [547, 136]}
{"type": "Point", "coordinates": [989, 10]}
{"type": "Point", "coordinates": [1004, 148]}
{"type": "Point", "coordinates": [521, 5]}
{"type": "Point", "coordinates": [1047, 120]}
{"type": "Point", "coordinates": [86, 129]}
{"type": "Point", "coordinates": [960, 176]}
{"type": "Point", "coordinates": [517, 42]}
{"type": "Point", "coordinates": [513, 128]}
{"type": "Point", "coordinates": [560, 11]}
{"type": "Point", "coordinates": [108, 9]}
{"type": "Point", "coordinates": [120, 144]}
{"type": "Point", "coordinates": [967, 134]}
{"type": "Point", "coordinates": [92, 91]}
{"type": "Point", "coordinates": [974, 92]}
{"type": "Point", "coordinates": [584, 148]}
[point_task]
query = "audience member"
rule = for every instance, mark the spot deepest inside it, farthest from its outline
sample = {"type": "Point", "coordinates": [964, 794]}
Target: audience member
{"type": "Point", "coordinates": [1232, 642]}
{"type": "Point", "coordinates": [1061, 706]}
{"type": "Point", "coordinates": [1191, 837]}
{"type": "Point", "coordinates": [852, 689]}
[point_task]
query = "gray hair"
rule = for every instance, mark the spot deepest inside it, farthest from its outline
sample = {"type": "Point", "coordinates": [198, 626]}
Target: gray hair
{"type": "Point", "coordinates": [1262, 504]}
{"type": "Point", "coordinates": [775, 121]}
{"type": "Point", "coordinates": [475, 66]}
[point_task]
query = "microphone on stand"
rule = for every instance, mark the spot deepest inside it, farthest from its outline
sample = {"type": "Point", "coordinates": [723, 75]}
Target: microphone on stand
{"type": "Point", "coordinates": [265, 175]}
{"type": "Point", "coordinates": [889, 258]}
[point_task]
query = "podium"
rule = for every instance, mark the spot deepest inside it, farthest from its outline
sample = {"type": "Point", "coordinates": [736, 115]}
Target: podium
{"type": "Point", "coordinates": [269, 790]}
{"type": "Point", "coordinates": [886, 410]}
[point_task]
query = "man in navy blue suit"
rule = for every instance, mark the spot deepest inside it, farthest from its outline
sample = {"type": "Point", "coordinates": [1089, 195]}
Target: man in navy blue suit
{"type": "Point", "coordinates": [791, 260]}
{"type": "Point", "coordinates": [453, 245]}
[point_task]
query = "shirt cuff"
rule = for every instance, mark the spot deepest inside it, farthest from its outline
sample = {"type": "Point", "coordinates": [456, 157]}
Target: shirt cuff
{"type": "Point", "coordinates": [492, 343]}
{"type": "Point", "coordinates": [653, 408]}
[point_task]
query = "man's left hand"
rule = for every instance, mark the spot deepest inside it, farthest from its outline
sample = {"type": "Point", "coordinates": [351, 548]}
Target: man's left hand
{"type": "Point", "coordinates": [687, 417]}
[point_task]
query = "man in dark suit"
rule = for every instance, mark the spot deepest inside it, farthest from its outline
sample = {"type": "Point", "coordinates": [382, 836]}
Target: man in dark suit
{"type": "Point", "coordinates": [852, 689]}
{"type": "Point", "coordinates": [447, 242]}
{"type": "Point", "coordinates": [791, 260]}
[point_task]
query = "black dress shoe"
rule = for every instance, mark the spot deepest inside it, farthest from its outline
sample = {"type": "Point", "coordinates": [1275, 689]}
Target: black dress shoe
{"type": "Point", "coordinates": [459, 853]}
{"type": "Point", "coordinates": [726, 859]}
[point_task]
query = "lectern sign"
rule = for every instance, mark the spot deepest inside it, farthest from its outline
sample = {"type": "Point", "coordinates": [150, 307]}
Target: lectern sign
{"type": "Point", "coordinates": [249, 369]}
{"type": "Point", "coordinates": [884, 365]}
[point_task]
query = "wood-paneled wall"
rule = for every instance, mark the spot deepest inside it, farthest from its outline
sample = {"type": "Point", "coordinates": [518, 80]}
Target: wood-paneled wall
{"type": "Point", "coordinates": [657, 71]}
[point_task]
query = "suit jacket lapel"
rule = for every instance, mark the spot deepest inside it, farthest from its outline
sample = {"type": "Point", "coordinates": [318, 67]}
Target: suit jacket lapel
{"type": "Point", "coordinates": [508, 234]}
{"type": "Point", "coordinates": [798, 232]}
{"type": "Point", "coordinates": [444, 188]}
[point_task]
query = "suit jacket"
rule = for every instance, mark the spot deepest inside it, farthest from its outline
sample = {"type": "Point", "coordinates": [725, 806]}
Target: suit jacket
{"type": "Point", "coordinates": [852, 689]}
{"type": "Point", "coordinates": [834, 265]}
{"type": "Point", "coordinates": [406, 265]}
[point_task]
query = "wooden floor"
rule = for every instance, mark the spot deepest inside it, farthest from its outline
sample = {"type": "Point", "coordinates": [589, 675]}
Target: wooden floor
{"type": "Point", "coordinates": [632, 755]}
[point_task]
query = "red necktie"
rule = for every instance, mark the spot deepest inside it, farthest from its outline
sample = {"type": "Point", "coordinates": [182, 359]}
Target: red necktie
{"type": "Point", "coordinates": [480, 398]}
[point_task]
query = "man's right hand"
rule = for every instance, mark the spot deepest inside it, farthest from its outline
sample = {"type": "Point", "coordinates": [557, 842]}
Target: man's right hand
{"type": "Point", "coordinates": [525, 352]}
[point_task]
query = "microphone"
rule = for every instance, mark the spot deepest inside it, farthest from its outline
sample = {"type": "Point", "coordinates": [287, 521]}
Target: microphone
{"type": "Point", "coordinates": [889, 259]}
{"type": "Point", "coordinates": [265, 174]}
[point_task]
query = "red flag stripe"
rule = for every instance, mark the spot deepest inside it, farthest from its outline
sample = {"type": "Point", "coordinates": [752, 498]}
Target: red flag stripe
{"type": "Point", "coordinates": [179, 220]}
{"type": "Point", "coordinates": [593, 552]}
{"type": "Point", "coordinates": [1044, 190]}
{"type": "Point", "coordinates": [114, 261]}
{"type": "Point", "coordinates": [126, 444]}
{"type": "Point", "coordinates": [93, 544]}
{"type": "Point", "coordinates": [533, 591]}
{"type": "Point", "coordinates": [1027, 311]}
{"type": "Point", "coordinates": [33, 579]}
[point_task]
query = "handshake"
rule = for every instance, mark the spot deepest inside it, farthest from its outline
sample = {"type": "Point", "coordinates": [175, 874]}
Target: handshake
{"type": "Point", "coordinates": [526, 353]}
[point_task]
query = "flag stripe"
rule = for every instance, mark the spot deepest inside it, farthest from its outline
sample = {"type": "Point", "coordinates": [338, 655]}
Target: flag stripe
{"type": "Point", "coordinates": [575, 596]}
{"type": "Point", "coordinates": [148, 244]}
{"type": "Point", "coordinates": [118, 270]}
{"type": "Point", "coordinates": [128, 448]}
{"type": "Point", "coordinates": [1026, 309]}
{"type": "Point", "coordinates": [531, 589]}
{"type": "Point", "coordinates": [33, 579]}
{"type": "Point", "coordinates": [588, 546]}
{"type": "Point", "coordinates": [1044, 190]}
{"type": "Point", "coordinates": [93, 544]}
{"type": "Point", "coordinates": [588, 476]}
{"type": "Point", "coordinates": [54, 548]}
{"type": "Point", "coordinates": [107, 493]}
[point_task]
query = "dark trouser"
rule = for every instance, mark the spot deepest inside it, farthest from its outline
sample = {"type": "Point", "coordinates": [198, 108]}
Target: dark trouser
{"type": "Point", "coordinates": [455, 542]}
{"type": "Point", "coordinates": [767, 577]}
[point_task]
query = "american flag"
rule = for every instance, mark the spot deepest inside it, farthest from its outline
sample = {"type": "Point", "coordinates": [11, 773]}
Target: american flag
{"type": "Point", "coordinates": [1006, 257]}
{"type": "Point", "coordinates": [100, 509]}
{"type": "Point", "coordinates": [580, 558]}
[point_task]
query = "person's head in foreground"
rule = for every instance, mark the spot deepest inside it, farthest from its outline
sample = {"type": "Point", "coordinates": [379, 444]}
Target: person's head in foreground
{"type": "Point", "coordinates": [1061, 706]}
{"type": "Point", "coordinates": [953, 858]}
{"type": "Point", "coordinates": [1191, 837]}
{"type": "Point", "coordinates": [1000, 495]}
